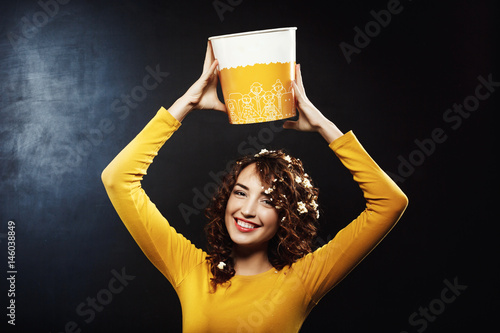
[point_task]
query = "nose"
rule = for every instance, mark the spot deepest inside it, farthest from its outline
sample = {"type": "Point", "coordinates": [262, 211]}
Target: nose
{"type": "Point", "coordinates": [248, 209]}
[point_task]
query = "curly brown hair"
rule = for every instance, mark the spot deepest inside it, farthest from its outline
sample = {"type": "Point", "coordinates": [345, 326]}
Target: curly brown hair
{"type": "Point", "coordinates": [295, 198]}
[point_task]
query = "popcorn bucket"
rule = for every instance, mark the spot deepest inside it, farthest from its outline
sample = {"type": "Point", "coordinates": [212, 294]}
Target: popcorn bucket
{"type": "Point", "coordinates": [256, 70]}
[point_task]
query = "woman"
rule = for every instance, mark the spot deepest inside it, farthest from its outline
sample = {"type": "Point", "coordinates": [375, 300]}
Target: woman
{"type": "Point", "coordinates": [259, 274]}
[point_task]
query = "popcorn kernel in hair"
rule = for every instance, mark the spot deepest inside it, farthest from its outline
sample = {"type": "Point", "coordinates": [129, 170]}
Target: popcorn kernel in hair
{"type": "Point", "coordinates": [314, 205]}
{"type": "Point", "coordinates": [306, 183]}
{"type": "Point", "coordinates": [301, 207]}
{"type": "Point", "coordinates": [262, 152]}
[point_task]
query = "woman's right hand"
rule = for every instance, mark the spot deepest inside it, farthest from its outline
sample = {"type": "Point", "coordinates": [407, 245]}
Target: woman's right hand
{"type": "Point", "coordinates": [202, 95]}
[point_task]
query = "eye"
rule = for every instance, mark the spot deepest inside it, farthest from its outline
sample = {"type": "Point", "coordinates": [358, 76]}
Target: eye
{"type": "Point", "coordinates": [239, 193]}
{"type": "Point", "coordinates": [267, 201]}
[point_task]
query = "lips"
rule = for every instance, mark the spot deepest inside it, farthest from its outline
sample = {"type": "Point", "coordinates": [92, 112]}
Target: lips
{"type": "Point", "coordinates": [245, 226]}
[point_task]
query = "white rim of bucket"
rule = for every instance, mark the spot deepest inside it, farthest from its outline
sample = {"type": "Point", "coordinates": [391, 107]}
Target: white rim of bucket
{"type": "Point", "coordinates": [252, 33]}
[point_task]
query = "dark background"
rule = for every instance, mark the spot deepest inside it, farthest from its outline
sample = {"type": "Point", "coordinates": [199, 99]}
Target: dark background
{"type": "Point", "coordinates": [64, 69]}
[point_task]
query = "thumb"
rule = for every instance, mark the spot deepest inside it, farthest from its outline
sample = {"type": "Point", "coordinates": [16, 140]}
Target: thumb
{"type": "Point", "coordinates": [219, 106]}
{"type": "Point", "coordinates": [290, 124]}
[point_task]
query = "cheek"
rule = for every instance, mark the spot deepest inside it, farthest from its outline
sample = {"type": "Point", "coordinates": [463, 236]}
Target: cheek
{"type": "Point", "coordinates": [270, 218]}
{"type": "Point", "coordinates": [231, 206]}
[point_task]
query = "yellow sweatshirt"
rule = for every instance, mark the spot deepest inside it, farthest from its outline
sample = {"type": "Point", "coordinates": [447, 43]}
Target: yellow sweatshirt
{"type": "Point", "coordinates": [273, 301]}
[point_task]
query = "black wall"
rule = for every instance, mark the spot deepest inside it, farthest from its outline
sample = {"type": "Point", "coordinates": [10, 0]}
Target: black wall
{"type": "Point", "coordinates": [67, 68]}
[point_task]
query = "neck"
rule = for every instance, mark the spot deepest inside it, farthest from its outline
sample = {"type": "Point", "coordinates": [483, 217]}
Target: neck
{"type": "Point", "coordinates": [250, 262]}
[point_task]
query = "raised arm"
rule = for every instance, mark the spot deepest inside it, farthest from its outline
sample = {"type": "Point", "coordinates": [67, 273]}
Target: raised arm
{"type": "Point", "coordinates": [385, 203]}
{"type": "Point", "coordinates": [169, 251]}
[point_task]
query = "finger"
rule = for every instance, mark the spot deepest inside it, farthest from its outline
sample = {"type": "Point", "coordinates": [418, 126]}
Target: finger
{"type": "Point", "coordinates": [209, 57]}
{"type": "Point", "coordinates": [213, 67]}
{"type": "Point", "coordinates": [299, 95]}
{"type": "Point", "coordinates": [298, 79]}
{"type": "Point", "coordinates": [207, 73]}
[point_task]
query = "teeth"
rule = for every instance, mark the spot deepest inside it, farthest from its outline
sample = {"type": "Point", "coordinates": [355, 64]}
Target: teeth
{"type": "Point", "coordinates": [245, 225]}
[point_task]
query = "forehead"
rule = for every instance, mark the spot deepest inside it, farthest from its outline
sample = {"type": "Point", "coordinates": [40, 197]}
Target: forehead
{"type": "Point", "coordinates": [250, 177]}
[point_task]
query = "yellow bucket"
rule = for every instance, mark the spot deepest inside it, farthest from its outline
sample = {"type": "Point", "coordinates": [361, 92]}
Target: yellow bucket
{"type": "Point", "coordinates": [256, 70]}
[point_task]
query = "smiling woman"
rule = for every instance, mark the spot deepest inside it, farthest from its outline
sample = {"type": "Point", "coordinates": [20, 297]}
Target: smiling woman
{"type": "Point", "coordinates": [260, 273]}
{"type": "Point", "coordinates": [266, 215]}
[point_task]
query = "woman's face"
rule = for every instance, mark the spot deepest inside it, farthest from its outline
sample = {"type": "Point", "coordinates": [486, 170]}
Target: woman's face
{"type": "Point", "coordinates": [251, 218]}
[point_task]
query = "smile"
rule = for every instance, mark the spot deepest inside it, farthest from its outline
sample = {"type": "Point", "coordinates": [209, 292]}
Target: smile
{"type": "Point", "coordinates": [245, 226]}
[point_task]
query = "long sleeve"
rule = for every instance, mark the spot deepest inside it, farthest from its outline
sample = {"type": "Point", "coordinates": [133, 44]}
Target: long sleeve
{"type": "Point", "coordinates": [385, 203]}
{"type": "Point", "coordinates": [169, 251]}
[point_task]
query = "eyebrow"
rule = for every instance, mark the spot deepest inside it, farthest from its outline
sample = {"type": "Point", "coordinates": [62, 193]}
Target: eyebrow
{"type": "Point", "coordinates": [241, 185]}
{"type": "Point", "coordinates": [246, 188]}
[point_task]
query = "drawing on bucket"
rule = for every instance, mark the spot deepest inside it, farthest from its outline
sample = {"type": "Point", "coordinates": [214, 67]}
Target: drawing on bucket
{"type": "Point", "coordinates": [259, 105]}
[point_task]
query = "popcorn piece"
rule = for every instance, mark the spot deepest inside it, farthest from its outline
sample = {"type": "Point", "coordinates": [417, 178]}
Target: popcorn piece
{"type": "Point", "coordinates": [301, 207]}
{"type": "Point", "coordinates": [314, 204]}
{"type": "Point", "coordinates": [306, 183]}
{"type": "Point", "coordinates": [262, 152]}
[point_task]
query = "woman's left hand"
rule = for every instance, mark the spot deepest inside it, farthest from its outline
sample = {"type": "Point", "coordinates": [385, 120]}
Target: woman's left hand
{"type": "Point", "coordinates": [310, 118]}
